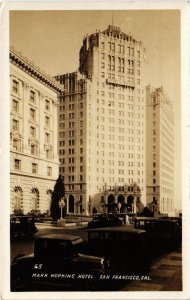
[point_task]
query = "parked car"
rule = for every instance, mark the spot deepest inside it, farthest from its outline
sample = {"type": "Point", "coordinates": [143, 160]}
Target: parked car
{"type": "Point", "coordinates": [162, 233]}
{"type": "Point", "coordinates": [22, 226]}
{"type": "Point", "coordinates": [104, 220]}
{"type": "Point", "coordinates": [124, 247]}
{"type": "Point", "coordinates": [57, 263]}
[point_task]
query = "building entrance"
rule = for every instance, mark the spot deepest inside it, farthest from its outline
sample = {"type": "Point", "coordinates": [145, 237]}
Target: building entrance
{"type": "Point", "coordinates": [130, 200]}
{"type": "Point", "coordinates": [71, 204]}
{"type": "Point", "coordinates": [111, 201]}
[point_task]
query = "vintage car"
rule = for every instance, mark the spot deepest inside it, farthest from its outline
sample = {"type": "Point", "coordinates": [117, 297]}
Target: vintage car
{"type": "Point", "coordinates": [104, 220]}
{"type": "Point", "coordinates": [162, 233]}
{"type": "Point", "coordinates": [124, 247]}
{"type": "Point", "coordinates": [21, 226]}
{"type": "Point", "coordinates": [57, 263]}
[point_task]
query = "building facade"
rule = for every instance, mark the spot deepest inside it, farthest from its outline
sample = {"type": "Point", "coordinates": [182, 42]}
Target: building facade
{"type": "Point", "coordinates": [102, 125]}
{"type": "Point", "coordinates": [34, 163]}
{"type": "Point", "coordinates": [159, 151]}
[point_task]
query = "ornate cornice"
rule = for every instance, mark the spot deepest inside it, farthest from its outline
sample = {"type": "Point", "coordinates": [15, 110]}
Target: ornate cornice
{"type": "Point", "coordinates": [28, 67]}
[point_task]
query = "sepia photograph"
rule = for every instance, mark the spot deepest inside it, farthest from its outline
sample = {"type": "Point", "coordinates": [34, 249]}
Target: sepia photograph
{"type": "Point", "coordinates": [95, 151]}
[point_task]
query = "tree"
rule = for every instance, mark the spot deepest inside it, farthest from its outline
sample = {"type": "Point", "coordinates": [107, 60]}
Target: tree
{"type": "Point", "coordinates": [147, 212]}
{"type": "Point", "coordinates": [57, 194]}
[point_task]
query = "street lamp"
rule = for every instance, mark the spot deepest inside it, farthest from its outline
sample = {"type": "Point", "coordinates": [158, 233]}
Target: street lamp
{"type": "Point", "coordinates": [61, 205]}
{"type": "Point", "coordinates": [81, 211]}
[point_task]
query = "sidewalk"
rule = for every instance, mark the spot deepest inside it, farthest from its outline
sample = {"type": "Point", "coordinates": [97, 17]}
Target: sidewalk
{"type": "Point", "coordinates": [165, 274]}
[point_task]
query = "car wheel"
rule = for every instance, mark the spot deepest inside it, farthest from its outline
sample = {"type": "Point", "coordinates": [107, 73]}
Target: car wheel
{"type": "Point", "coordinates": [19, 281]}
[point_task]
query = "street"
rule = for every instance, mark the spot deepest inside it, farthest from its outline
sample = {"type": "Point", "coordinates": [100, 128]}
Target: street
{"type": "Point", "coordinates": [165, 274]}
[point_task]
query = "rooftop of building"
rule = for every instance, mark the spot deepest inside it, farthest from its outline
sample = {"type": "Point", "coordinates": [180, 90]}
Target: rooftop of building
{"type": "Point", "coordinates": [116, 32]}
{"type": "Point", "coordinates": [29, 67]}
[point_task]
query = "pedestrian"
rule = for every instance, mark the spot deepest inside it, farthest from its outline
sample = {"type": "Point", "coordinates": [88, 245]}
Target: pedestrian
{"type": "Point", "coordinates": [94, 211]}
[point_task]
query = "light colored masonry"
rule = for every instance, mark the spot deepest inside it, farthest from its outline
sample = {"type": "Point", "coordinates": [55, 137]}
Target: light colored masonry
{"type": "Point", "coordinates": [102, 125]}
{"type": "Point", "coordinates": [160, 150]}
{"type": "Point", "coordinates": [34, 160]}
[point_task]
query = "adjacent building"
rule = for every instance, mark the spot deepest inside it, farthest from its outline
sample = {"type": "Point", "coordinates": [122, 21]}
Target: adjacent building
{"type": "Point", "coordinates": [102, 125]}
{"type": "Point", "coordinates": [34, 163]}
{"type": "Point", "coordinates": [159, 151]}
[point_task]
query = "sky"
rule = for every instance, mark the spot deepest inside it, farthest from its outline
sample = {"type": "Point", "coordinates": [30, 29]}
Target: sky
{"type": "Point", "coordinates": [52, 40]}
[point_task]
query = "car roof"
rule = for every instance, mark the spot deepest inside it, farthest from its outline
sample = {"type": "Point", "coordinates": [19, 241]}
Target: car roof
{"type": "Point", "coordinates": [117, 229]}
{"type": "Point", "coordinates": [58, 236]}
{"type": "Point", "coordinates": [153, 219]}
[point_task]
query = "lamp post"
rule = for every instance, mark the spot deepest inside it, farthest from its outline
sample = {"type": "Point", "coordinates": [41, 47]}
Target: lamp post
{"type": "Point", "coordinates": [81, 212]}
{"type": "Point", "coordinates": [61, 205]}
{"type": "Point", "coordinates": [119, 206]}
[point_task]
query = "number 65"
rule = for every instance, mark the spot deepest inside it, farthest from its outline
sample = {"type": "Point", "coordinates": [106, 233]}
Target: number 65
{"type": "Point", "coordinates": [37, 266]}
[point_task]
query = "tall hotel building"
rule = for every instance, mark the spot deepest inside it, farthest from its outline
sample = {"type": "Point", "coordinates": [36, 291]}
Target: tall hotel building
{"type": "Point", "coordinates": [102, 125]}
{"type": "Point", "coordinates": [160, 150]}
{"type": "Point", "coordinates": [34, 163]}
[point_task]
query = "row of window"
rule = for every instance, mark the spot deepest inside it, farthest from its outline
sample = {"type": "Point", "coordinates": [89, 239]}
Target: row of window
{"type": "Point", "coordinates": [15, 122]}
{"type": "Point", "coordinates": [120, 65]}
{"type": "Point", "coordinates": [62, 116]}
{"type": "Point", "coordinates": [34, 167]}
{"type": "Point", "coordinates": [129, 80]}
{"type": "Point", "coordinates": [119, 48]}
{"type": "Point", "coordinates": [32, 97]}
{"type": "Point", "coordinates": [33, 148]}
{"type": "Point", "coordinates": [112, 180]}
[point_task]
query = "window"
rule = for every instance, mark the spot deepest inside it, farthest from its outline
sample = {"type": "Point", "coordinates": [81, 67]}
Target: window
{"type": "Point", "coordinates": [48, 153]}
{"type": "Point", "coordinates": [32, 132]}
{"type": "Point", "coordinates": [102, 45]}
{"type": "Point", "coordinates": [111, 63]}
{"type": "Point", "coordinates": [15, 105]}
{"type": "Point", "coordinates": [47, 138]}
{"type": "Point", "coordinates": [121, 65]}
{"type": "Point", "coordinates": [47, 104]}
{"type": "Point", "coordinates": [49, 171]}
{"type": "Point", "coordinates": [16, 145]}
{"type": "Point", "coordinates": [17, 164]}
{"type": "Point", "coordinates": [33, 149]}
{"type": "Point", "coordinates": [32, 113]}
{"type": "Point", "coordinates": [32, 96]}
{"type": "Point", "coordinates": [15, 86]}
{"type": "Point", "coordinates": [15, 125]}
{"type": "Point", "coordinates": [34, 168]}
{"type": "Point", "coordinates": [47, 121]}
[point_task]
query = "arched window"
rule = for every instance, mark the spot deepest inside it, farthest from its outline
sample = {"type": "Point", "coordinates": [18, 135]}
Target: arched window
{"type": "Point", "coordinates": [35, 198]}
{"type": "Point", "coordinates": [18, 197]}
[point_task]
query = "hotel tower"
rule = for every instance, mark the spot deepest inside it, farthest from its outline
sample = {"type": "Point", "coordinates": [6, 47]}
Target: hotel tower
{"type": "Point", "coordinates": [102, 125]}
